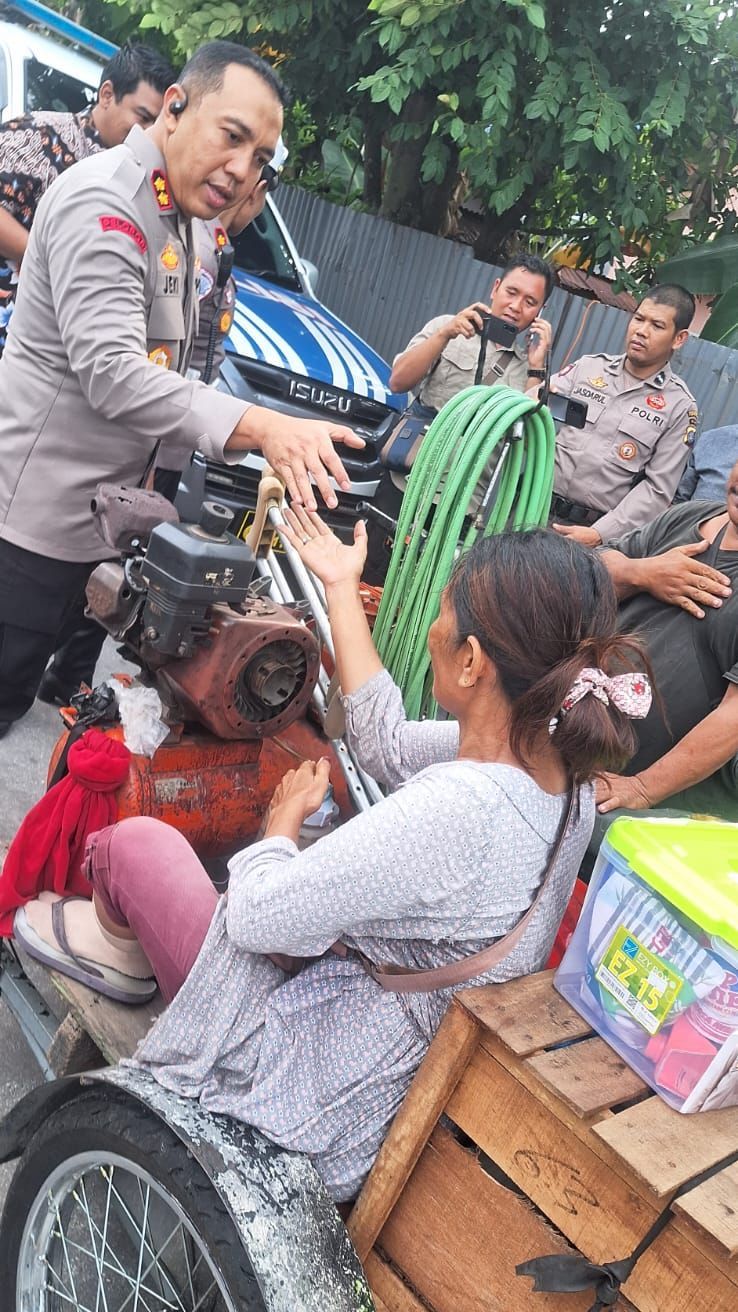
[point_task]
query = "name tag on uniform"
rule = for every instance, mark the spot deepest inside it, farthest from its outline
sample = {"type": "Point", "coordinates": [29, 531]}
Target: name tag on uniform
{"type": "Point", "coordinates": [168, 284]}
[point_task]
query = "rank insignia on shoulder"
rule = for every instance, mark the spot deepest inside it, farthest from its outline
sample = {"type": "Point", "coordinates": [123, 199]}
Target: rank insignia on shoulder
{"type": "Point", "coordinates": [656, 401]}
{"type": "Point", "coordinates": [597, 382]}
{"type": "Point", "coordinates": [162, 356]}
{"type": "Point", "coordinates": [689, 436]}
{"type": "Point", "coordinates": [221, 237]}
{"type": "Point", "coordinates": [161, 190]}
{"type": "Point", "coordinates": [169, 257]}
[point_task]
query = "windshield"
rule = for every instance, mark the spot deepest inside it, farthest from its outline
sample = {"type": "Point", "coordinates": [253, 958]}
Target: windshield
{"type": "Point", "coordinates": [47, 88]}
{"type": "Point", "coordinates": [262, 250]}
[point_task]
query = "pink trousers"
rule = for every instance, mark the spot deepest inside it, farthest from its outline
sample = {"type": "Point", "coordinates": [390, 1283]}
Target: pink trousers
{"type": "Point", "coordinates": [147, 877]}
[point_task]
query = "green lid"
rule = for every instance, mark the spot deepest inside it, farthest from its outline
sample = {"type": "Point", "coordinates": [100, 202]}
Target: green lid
{"type": "Point", "coordinates": [692, 863]}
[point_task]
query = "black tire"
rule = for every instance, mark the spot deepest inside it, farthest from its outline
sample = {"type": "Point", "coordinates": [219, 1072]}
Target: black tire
{"type": "Point", "coordinates": [104, 1122]}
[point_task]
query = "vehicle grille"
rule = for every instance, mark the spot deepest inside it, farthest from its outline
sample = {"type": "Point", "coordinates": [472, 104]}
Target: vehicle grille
{"type": "Point", "coordinates": [324, 401]}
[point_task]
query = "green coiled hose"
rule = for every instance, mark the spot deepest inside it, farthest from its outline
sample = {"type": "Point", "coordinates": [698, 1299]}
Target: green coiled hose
{"type": "Point", "coordinates": [452, 459]}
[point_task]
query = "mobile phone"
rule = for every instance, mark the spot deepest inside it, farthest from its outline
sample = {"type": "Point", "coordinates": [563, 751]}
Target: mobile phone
{"type": "Point", "coordinates": [497, 330]}
{"type": "Point", "coordinates": [564, 410]}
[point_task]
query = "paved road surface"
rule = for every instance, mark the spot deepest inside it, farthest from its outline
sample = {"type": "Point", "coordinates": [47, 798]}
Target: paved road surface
{"type": "Point", "coordinates": [24, 756]}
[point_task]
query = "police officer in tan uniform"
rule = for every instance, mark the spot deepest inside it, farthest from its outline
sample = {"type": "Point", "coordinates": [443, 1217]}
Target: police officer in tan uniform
{"type": "Point", "coordinates": [622, 470]}
{"type": "Point", "coordinates": [104, 319]}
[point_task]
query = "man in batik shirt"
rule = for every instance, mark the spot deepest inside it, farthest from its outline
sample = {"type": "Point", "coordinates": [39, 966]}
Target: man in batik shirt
{"type": "Point", "coordinates": [36, 148]}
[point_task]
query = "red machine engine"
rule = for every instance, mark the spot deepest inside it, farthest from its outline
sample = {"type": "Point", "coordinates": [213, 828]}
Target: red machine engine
{"type": "Point", "coordinates": [187, 610]}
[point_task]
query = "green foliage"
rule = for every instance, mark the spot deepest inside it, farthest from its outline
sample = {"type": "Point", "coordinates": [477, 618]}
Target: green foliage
{"type": "Point", "coordinates": [708, 269]}
{"type": "Point", "coordinates": [722, 326]}
{"type": "Point", "coordinates": [585, 118]}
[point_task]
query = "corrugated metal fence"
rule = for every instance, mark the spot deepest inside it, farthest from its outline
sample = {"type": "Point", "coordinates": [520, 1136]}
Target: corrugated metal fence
{"type": "Point", "coordinates": [387, 281]}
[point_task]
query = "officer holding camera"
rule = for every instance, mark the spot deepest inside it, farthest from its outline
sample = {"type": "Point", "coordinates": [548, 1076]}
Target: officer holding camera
{"type": "Point", "coordinates": [442, 359]}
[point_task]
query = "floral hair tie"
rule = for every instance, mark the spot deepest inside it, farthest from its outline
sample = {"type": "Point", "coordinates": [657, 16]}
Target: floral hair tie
{"type": "Point", "coordinates": [630, 693]}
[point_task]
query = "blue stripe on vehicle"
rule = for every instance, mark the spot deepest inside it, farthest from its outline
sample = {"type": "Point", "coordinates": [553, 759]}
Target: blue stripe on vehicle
{"type": "Point", "coordinates": [321, 346]}
{"type": "Point", "coordinates": [259, 334]}
{"type": "Point", "coordinates": [290, 359]}
{"type": "Point", "coordinates": [241, 343]}
{"type": "Point", "coordinates": [342, 377]}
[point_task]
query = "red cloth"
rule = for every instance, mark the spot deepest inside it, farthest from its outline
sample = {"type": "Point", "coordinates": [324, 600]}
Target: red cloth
{"type": "Point", "coordinates": [48, 849]}
{"type": "Point", "coordinates": [568, 924]}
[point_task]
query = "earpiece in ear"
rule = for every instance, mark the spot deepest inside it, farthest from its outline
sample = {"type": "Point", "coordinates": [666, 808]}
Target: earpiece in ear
{"type": "Point", "coordinates": [270, 176]}
{"type": "Point", "coordinates": [178, 107]}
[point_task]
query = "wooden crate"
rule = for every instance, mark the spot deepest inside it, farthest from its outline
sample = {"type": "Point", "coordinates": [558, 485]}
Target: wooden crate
{"type": "Point", "coordinates": [542, 1148]}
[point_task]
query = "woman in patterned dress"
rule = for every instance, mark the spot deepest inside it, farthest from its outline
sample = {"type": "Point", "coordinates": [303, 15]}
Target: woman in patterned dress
{"type": "Point", "coordinates": [320, 1057]}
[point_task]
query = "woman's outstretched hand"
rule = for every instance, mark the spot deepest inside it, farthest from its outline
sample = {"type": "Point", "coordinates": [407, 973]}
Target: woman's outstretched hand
{"type": "Point", "coordinates": [324, 554]}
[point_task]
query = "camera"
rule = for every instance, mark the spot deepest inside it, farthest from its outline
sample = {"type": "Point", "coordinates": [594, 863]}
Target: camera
{"type": "Point", "coordinates": [496, 330]}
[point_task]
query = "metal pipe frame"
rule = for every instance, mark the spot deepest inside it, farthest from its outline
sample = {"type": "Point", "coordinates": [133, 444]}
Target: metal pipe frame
{"type": "Point", "coordinates": [364, 790]}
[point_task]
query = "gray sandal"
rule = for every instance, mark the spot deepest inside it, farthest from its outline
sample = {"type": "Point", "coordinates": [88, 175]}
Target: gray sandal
{"type": "Point", "coordinates": [95, 974]}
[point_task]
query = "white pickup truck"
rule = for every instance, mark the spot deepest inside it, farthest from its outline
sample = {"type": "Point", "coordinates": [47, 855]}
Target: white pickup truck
{"type": "Point", "coordinates": [37, 72]}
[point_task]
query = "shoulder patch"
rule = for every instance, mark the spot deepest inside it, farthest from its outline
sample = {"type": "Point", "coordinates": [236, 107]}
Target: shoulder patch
{"type": "Point", "coordinates": [691, 429]}
{"type": "Point", "coordinates": [566, 370]}
{"type": "Point", "coordinates": [114, 223]}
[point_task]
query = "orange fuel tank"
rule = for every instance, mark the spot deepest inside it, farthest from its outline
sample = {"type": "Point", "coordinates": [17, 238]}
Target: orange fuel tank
{"type": "Point", "coordinates": [216, 792]}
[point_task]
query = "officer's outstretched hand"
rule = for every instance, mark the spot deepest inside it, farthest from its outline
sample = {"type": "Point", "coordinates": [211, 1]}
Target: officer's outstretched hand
{"type": "Point", "coordinates": [298, 450]}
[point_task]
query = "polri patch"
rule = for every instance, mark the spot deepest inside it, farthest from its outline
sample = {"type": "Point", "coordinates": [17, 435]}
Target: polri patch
{"type": "Point", "coordinates": [204, 284]}
{"type": "Point", "coordinates": [162, 193]}
{"type": "Point", "coordinates": [657, 401]}
{"type": "Point", "coordinates": [114, 223]}
{"type": "Point", "coordinates": [162, 356]}
{"type": "Point", "coordinates": [169, 257]}
{"type": "Point", "coordinates": [627, 450]}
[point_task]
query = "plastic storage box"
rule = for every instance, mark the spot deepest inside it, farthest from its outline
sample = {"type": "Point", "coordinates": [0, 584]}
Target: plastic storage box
{"type": "Point", "coordinates": [653, 961]}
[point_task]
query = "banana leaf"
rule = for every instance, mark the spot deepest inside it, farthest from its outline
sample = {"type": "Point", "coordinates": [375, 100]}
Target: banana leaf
{"type": "Point", "coordinates": [710, 269]}
{"type": "Point", "coordinates": [722, 326]}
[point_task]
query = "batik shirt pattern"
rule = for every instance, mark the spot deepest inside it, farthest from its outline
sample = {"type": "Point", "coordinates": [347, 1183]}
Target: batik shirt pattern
{"type": "Point", "coordinates": [34, 150]}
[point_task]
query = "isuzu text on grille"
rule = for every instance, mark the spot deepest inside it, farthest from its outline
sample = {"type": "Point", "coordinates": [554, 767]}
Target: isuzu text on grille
{"type": "Point", "coordinates": [320, 396]}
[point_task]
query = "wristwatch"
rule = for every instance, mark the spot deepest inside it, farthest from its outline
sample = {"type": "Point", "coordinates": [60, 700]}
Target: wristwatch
{"type": "Point", "coordinates": [536, 373]}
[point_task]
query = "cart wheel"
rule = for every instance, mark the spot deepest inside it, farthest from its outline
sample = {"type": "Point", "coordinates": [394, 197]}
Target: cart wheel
{"type": "Point", "coordinates": [107, 1212]}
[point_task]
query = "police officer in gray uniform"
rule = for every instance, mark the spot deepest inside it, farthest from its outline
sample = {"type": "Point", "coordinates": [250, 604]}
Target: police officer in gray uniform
{"type": "Point", "coordinates": [622, 470]}
{"type": "Point", "coordinates": [80, 639]}
{"type": "Point", "coordinates": [104, 320]}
